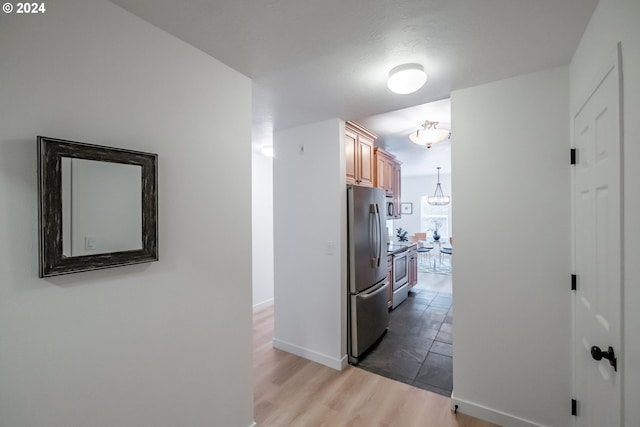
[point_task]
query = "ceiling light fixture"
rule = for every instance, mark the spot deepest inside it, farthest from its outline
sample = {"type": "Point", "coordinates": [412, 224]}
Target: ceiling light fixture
{"type": "Point", "coordinates": [429, 134]}
{"type": "Point", "coordinates": [438, 197]}
{"type": "Point", "coordinates": [406, 78]}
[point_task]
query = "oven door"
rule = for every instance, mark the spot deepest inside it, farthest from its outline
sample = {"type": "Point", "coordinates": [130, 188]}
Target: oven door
{"type": "Point", "coordinates": [400, 270]}
{"type": "Point", "coordinates": [400, 279]}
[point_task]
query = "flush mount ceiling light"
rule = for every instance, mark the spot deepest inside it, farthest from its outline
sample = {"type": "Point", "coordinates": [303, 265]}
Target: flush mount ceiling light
{"type": "Point", "coordinates": [429, 134]}
{"type": "Point", "coordinates": [438, 197]}
{"type": "Point", "coordinates": [406, 78]}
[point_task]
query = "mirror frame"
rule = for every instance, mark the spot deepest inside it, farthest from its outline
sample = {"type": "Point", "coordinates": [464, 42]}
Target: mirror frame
{"type": "Point", "coordinates": [52, 262]}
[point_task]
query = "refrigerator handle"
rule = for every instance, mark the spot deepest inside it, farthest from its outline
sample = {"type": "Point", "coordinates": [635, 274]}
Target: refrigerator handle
{"type": "Point", "coordinates": [382, 287]}
{"type": "Point", "coordinates": [379, 234]}
{"type": "Point", "coordinates": [372, 235]}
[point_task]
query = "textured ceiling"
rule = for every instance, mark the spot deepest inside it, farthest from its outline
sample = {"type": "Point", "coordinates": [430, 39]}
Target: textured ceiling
{"type": "Point", "coordinates": [315, 60]}
{"type": "Point", "coordinates": [394, 127]}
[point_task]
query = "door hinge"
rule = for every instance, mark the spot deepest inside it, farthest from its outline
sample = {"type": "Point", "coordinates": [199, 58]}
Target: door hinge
{"type": "Point", "coordinates": [574, 407]}
{"type": "Point", "coordinates": [573, 156]}
{"type": "Point", "coordinates": [574, 282]}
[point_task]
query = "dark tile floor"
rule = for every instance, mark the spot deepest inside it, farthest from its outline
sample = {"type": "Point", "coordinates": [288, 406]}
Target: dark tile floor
{"type": "Point", "coordinates": [417, 348]}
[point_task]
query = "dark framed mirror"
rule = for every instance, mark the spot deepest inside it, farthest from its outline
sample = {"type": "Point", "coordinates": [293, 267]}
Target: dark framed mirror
{"type": "Point", "coordinates": [98, 207]}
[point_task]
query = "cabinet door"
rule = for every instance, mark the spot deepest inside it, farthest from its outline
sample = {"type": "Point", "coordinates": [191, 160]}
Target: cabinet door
{"type": "Point", "coordinates": [365, 161]}
{"type": "Point", "coordinates": [381, 171]}
{"type": "Point", "coordinates": [397, 190]}
{"type": "Point", "coordinates": [384, 172]}
{"type": "Point", "coordinates": [413, 268]}
{"type": "Point", "coordinates": [351, 148]}
{"type": "Point", "coordinates": [389, 177]}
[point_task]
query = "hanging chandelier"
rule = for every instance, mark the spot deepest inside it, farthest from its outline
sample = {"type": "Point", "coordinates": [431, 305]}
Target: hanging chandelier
{"type": "Point", "coordinates": [438, 197]}
{"type": "Point", "coordinates": [429, 134]}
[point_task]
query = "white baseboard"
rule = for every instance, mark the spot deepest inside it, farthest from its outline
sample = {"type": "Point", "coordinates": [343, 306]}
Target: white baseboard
{"type": "Point", "coordinates": [323, 359]}
{"type": "Point", "coordinates": [489, 414]}
{"type": "Point", "coordinates": [262, 305]}
{"type": "Point", "coordinates": [344, 362]}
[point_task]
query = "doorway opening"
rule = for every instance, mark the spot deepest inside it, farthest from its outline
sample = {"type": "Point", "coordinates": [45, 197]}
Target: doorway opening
{"type": "Point", "coordinates": [418, 346]}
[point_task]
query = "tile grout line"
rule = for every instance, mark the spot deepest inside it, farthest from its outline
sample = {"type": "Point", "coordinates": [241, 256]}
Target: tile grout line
{"type": "Point", "coordinates": [417, 312]}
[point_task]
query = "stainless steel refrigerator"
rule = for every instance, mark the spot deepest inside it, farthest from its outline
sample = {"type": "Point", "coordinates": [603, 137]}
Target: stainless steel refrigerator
{"type": "Point", "coordinates": [368, 284]}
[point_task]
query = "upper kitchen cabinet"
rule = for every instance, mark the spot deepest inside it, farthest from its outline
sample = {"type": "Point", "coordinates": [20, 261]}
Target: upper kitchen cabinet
{"type": "Point", "coordinates": [397, 189]}
{"type": "Point", "coordinates": [385, 172]}
{"type": "Point", "coordinates": [359, 154]}
{"type": "Point", "coordinates": [387, 177]}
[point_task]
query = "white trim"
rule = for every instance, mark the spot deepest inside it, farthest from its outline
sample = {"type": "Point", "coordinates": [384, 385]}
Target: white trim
{"type": "Point", "coordinates": [344, 362]}
{"type": "Point", "coordinates": [331, 362]}
{"type": "Point", "coordinates": [490, 414]}
{"type": "Point", "coordinates": [262, 305]}
{"type": "Point", "coordinates": [253, 424]}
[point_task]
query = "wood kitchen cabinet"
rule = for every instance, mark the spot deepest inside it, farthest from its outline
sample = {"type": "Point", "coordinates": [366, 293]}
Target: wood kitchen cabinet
{"type": "Point", "coordinates": [359, 155]}
{"type": "Point", "coordinates": [412, 262]}
{"type": "Point", "coordinates": [384, 176]}
{"type": "Point", "coordinates": [371, 167]}
{"type": "Point", "coordinates": [387, 177]}
{"type": "Point", "coordinates": [397, 190]}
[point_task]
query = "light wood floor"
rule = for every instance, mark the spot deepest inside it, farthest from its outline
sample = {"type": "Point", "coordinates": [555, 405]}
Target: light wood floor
{"type": "Point", "coordinates": [291, 391]}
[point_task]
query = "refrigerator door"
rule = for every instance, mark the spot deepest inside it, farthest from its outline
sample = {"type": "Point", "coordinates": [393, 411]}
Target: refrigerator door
{"type": "Point", "coordinates": [366, 239]}
{"type": "Point", "coordinates": [380, 201]}
{"type": "Point", "coordinates": [369, 318]}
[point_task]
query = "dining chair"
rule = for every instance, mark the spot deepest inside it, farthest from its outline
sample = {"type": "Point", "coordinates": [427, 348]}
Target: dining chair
{"type": "Point", "coordinates": [419, 238]}
{"type": "Point", "coordinates": [424, 255]}
{"type": "Point", "coordinates": [447, 251]}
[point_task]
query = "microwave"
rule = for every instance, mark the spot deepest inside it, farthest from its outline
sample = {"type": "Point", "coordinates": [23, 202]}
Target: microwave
{"type": "Point", "coordinates": [390, 208]}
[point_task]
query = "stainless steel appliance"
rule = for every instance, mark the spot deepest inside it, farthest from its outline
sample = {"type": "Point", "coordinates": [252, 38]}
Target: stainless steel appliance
{"type": "Point", "coordinates": [368, 284]}
{"type": "Point", "coordinates": [390, 207]}
{"type": "Point", "coordinates": [400, 277]}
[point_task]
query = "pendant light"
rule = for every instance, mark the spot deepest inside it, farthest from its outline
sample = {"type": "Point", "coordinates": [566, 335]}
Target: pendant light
{"type": "Point", "coordinates": [429, 134]}
{"type": "Point", "coordinates": [438, 197]}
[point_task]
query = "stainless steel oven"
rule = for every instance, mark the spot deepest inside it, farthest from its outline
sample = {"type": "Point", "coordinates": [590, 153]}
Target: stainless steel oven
{"type": "Point", "coordinates": [400, 278]}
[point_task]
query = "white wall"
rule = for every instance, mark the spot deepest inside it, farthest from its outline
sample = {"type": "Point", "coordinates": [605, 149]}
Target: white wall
{"type": "Point", "coordinates": [160, 344]}
{"type": "Point", "coordinates": [512, 329]}
{"type": "Point", "coordinates": [614, 21]}
{"type": "Point", "coordinates": [262, 226]}
{"type": "Point", "coordinates": [309, 192]}
{"type": "Point", "coordinates": [413, 189]}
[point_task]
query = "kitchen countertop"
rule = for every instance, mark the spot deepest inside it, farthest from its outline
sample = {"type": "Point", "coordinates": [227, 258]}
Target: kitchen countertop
{"type": "Point", "coordinates": [396, 247]}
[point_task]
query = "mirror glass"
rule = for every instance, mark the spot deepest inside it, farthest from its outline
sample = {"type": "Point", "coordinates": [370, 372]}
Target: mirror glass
{"type": "Point", "coordinates": [101, 207]}
{"type": "Point", "coordinates": [97, 207]}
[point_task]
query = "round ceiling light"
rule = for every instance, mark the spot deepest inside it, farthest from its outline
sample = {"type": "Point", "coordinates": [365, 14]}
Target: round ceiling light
{"type": "Point", "coordinates": [406, 78]}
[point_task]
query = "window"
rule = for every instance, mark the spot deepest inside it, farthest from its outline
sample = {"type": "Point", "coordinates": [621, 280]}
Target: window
{"type": "Point", "coordinates": [432, 216]}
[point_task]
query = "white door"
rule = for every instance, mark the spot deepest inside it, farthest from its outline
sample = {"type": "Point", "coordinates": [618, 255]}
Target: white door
{"type": "Point", "coordinates": [598, 250]}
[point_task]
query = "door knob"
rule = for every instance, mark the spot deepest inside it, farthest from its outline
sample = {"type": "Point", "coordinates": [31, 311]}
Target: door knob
{"type": "Point", "coordinates": [610, 355]}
